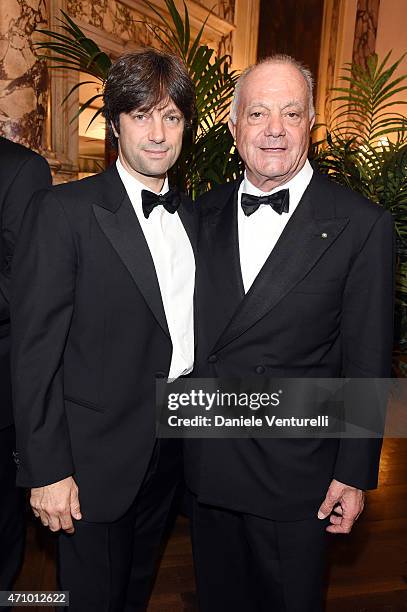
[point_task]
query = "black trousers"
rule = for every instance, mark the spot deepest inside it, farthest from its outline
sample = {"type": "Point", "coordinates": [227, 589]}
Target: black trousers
{"type": "Point", "coordinates": [246, 563]}
{"type": "Point", "coordinates": [12, 527]}
{"type": "Point", "coordinates": [110, 567]}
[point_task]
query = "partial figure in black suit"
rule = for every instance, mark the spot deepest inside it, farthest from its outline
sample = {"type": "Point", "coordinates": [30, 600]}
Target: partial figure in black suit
{"type": "Point", "coordinates": [298, 284]}
{"type": "Point", "coordinates": [22, 173]}
{"type": "Point", "coordinates": [102, 305]}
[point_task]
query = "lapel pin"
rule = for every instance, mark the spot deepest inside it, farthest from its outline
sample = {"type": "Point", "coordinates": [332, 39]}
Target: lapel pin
{"type": "Point", "coordinates": [324, 235]}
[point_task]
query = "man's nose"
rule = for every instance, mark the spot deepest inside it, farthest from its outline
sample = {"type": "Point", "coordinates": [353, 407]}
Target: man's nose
{"type": "Point", "coordinates": [274, 126]}
{"type": "Point", "coordinates": [157, 133]}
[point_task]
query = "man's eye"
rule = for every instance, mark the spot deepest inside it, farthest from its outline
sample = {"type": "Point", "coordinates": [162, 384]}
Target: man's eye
{"type": "Point", "coordinates": [139, 116]}
{"type": "Point", "coordinates": [256, 115]}
{"type": "Point", "coordinates": [293, 115]}
{"type": "Point", "coordinates": [173, 119]}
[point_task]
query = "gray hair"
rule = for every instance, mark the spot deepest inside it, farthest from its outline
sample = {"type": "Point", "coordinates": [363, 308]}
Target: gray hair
{"type": "Point", "coordinates": [278, 58]}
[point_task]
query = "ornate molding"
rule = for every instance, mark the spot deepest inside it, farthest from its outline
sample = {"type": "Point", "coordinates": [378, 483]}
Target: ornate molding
{"type": "Point", "coordinates": [110, 43]}
{"type": "Point", "coordinates": [216, 29]}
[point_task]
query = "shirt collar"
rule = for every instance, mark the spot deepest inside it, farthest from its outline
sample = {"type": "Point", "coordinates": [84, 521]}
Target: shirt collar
{"type": "Point", "coordinates": [297, 185]}
{"type": "Point", "coordinates": [134, 186]}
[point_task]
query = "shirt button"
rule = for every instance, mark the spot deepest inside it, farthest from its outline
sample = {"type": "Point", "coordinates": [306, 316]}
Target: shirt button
{"type": "Point", "coordinates": [260, 369]}
{"type": "Point", "coordinates": [160, 374]}
{"type": "Point", "coordinates": [212, 359]}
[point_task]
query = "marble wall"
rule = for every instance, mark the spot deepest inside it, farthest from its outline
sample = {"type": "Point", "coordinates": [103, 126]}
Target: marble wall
{"type": "Point", "coordinates": [127, 23]}
{"type": "Point", "coordinates": [30, 95]}
{"type": "Point", "coordinates": [225, 46]}
{"type": "Point", "coordinates": [349, 34]}
{"type": "Point", "coordinates": [23, 76]}
{"type": "Point", "coordinates": [225, 9]}
{"type": "Point", "coordinates": [331, 67]}
{"type": "Point", "coordinates": [367, 18]}
{"type": "Point", "coordinates": [113, 17]}
{"type": "Point", "coordinates": [391, 35]}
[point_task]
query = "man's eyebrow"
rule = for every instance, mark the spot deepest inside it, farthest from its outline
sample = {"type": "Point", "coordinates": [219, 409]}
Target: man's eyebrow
{"type": "Point", "coordinates": [255, 103]}
{"type": "Point", "coordinates": [295, 103]}
{"type": "Point", "coordinates": [290, 103]}
{"type": "Point", "coordinates": [173, 110]}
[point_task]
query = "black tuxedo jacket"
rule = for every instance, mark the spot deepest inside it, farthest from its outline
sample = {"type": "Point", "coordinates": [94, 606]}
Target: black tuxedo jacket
{"type": "Point", "coordinates": [89, 338]}
{"type": "Point", "coordinates": [321, 306]}
{"type": "Point", "coordinates": [22, 173]}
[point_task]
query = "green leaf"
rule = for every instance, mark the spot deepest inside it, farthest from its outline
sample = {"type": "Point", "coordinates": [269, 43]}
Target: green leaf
{"type": "Point", "coordinates": [72, 24]}
{"type": "Point", "coordinates": [167, 24]}
{"type": "Point", "coordinates": [176, 17]}
{"type": "Point", "coordinates": [187, 31]}
{"type": "Point", "coordinates": [75, 87]}
{"type": "Point", "coordinates": [95, 116]}
{"type": "Point", "coordinates": [86, 105]}
{"type": "Point", "coordinates": [384, 62]}
{"type": "Point", "coordinates": [197, 41]}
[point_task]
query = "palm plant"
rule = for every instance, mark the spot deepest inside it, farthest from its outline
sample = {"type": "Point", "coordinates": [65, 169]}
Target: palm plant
{"type": "Point", "coordinates": [363, 109]}
{"type": "Point", "coordinates": [357, 151]}
{"type": "Point", "coordinates": [71, 49]}
{"type": "Point", "coordinates": [366, 149]}
{"type": "Point", "coordinates": [208, 156]}
{"type": "Point", "coordinates": [377, 171]}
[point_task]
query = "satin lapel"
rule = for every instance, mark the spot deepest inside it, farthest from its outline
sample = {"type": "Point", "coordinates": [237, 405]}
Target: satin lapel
{"type": "Point", "coordinates": [188, 214]}
{"type": "Point", "coordinates": [226, 244]}
{"type": "Point", "coordinates": [123, 230]}
{"type": "Point", "coordinates": [303, 241]}
{"type": "Point", "coordinates": [219, 265]}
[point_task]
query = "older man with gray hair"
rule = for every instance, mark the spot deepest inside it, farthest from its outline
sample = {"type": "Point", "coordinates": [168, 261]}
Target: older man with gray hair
{"type": "Point", "coordinates": [294, 280]}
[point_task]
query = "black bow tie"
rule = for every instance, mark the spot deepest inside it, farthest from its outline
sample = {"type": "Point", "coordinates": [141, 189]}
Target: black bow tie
{"type": "Point", "coordinates": [170, 200]}
{"type": "Point", "coordinates": [279, 201]}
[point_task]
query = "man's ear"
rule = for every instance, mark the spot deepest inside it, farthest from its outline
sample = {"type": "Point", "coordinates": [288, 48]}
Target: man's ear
{"type": "Point", "coordinates": [232, 128]}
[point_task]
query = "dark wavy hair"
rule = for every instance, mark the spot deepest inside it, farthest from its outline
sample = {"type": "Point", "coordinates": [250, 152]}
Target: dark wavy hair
{"type": "Point", "coordinates": [143, 80]}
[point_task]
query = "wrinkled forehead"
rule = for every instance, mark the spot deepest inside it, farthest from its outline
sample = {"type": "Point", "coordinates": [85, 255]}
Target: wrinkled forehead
{"type": "Point", "coordinates": [274, 83]}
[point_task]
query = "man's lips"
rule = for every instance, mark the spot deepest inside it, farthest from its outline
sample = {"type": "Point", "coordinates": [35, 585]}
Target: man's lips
{"type": "Point", "coordinates": [155, 152]}
{"type": "Point", "coordinates": [273, 149]}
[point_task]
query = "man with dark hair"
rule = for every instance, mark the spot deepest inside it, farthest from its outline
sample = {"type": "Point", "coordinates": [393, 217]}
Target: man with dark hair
{"type": "Point", "coordinates": [22, 173]}
{"type": "Point", "coordinates": [294, 280]}
{"type": "Point", "coordinates": [144, 81]}
{"type": "Point", "coordinates": [102, 306]}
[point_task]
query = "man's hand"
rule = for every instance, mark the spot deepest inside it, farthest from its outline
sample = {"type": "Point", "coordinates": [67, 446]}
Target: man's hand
{"type": "Point", "coordinates": [56, 504]}
{"type": "Point", "coordinates": [346, 503]}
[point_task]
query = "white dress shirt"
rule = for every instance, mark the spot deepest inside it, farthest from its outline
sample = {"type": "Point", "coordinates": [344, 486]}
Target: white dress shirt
{"type": "Point", "coordinates": [174, 264]}
{"type": "Point", "coordinates": [258, 233]}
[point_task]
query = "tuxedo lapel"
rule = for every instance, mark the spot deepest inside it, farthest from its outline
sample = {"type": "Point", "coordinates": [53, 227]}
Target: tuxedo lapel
{"type": "Point", "coordinates": [219, 264]}
{"type": "Point", "coordinates": [118, 221]}
{"type": "Point", "coordinates": [226, 246]}
{"type": "Point", "coordinates": [189, 218]}
{"type": "Point", "coordinates": [311, 230]}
